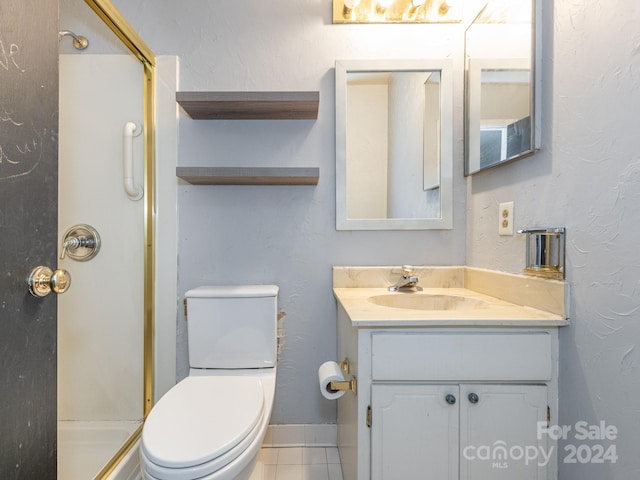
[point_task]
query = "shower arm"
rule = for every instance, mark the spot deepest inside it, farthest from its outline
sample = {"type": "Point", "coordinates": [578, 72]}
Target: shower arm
{"type": "Point", "coordinates": [79, 42]}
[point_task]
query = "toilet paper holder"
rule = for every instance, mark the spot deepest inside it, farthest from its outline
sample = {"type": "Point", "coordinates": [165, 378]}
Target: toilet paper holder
{"type": "Point", "coordinates": [338, 386]}
{"type": "Point", "coordinates": [345, 365]}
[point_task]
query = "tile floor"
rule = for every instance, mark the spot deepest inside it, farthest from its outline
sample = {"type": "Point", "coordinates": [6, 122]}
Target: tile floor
{"type": "Point", "coordinates": [299, 463]}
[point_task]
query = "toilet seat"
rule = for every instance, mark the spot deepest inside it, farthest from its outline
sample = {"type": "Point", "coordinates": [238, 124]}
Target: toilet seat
{"type": "Point", "coordinates": [201, 425]}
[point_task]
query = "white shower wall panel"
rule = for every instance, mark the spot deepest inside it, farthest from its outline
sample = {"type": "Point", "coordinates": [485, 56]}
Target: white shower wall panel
{"type": "Point", "coordinates": [100, 319]}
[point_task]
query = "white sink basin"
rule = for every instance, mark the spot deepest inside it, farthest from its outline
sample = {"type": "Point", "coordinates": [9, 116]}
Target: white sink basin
{"type": "Point", "coordinates": [422, 301]}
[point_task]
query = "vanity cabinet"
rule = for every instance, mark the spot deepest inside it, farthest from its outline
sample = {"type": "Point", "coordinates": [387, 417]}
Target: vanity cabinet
{"type": "Point", "coordinates": [445, 423]}
{"type": "Point", "coordinates": [456, 430]}
{"type": "Point", "coordinates": [457, 380]}
{"type": "Point", "coordinates": [458, 403]}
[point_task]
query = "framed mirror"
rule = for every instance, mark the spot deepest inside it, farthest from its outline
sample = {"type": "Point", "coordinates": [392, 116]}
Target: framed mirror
{"type": "Point", "coordinates": [394, 144]}
{"type": "Point", "coordinates": [500, 103]}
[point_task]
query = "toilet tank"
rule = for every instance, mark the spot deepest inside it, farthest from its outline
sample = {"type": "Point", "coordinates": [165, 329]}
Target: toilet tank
{"type": "Point", "coordinates": [232, 326]}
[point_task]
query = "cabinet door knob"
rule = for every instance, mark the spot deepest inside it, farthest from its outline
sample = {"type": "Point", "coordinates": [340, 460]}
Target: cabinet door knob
{"type": "Point", "coordinates": [450, 399]}
{"type": "Point", "coordinates": [473, 397]}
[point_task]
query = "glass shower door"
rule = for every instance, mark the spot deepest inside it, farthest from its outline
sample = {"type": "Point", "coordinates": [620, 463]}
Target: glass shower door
{"type": "Point", "coordinates": [100, 318]}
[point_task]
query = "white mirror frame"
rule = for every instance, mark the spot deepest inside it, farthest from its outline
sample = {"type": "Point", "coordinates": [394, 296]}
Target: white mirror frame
{"type": "Point", "coordinates": [445, 219]}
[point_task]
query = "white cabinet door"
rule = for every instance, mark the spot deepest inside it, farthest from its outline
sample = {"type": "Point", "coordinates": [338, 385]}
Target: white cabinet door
{"type": "Point", "coordinates": [499, 434]}
{"type": "Point", "coordinates": [414, 431]}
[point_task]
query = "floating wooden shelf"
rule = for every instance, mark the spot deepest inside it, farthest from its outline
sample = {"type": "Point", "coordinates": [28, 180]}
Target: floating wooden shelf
{"type": "Point", "coordinates": [250, 105]}
{"type": "Point", "coordinates": [248, 175]}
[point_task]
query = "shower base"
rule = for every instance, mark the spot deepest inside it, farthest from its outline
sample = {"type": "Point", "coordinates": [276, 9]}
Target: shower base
{"type": "Point", "coordinates": [85, 447]}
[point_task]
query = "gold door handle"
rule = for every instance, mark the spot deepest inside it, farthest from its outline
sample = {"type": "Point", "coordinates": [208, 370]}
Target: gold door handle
{"type": "Point", "coordinates": [42, 281]}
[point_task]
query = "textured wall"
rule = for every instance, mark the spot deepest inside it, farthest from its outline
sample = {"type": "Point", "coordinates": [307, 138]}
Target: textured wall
{"type": "Point", "coordinates": [587, 178]}
{"type": "Point", "coordinates": [284, 235]}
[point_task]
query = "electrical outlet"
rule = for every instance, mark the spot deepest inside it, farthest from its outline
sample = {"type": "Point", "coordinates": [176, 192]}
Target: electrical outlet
{"type": "Point", "coordinates": [505, 218]}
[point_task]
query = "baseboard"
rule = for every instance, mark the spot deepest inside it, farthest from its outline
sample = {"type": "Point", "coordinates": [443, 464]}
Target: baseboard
{"type": "Point", "coordinates": [301, 435]}
{"type": "Point", "coordinates": [298, 435]}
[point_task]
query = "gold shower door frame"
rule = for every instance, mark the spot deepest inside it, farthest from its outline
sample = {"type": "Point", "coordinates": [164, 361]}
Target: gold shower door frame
{"type": "Point", "coordinates": [125, 32]}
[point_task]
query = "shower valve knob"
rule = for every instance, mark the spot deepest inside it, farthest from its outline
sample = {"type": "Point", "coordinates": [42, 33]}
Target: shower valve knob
{"type": "Point", "coordinates": [42, 281]}
{"type": "Point", "coordinates": [80, 243]}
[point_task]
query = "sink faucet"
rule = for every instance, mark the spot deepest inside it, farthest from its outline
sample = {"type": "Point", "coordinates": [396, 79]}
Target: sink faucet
{"type": "Point", "coordinates": [406, 281]}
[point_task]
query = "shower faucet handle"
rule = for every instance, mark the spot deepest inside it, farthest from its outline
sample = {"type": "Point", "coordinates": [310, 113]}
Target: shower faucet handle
{"type": "Point", "coordinates": [81, 243]}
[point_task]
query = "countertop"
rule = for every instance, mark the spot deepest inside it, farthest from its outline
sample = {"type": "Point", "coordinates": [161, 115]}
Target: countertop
{"type": "Point", "coordinates": [493, 312]}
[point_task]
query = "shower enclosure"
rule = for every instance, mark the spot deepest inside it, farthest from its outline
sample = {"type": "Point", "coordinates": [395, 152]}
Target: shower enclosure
{"type": "Point", "coordinates": [100, 328]}
{"type": "Point", "coordinates": [105, 320]}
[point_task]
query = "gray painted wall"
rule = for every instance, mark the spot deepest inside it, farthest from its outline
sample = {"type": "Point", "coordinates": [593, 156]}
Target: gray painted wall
{"type": "Point", "coordinates": [587, 178]}
{"type": "Point", "coordinates": [284, 235]}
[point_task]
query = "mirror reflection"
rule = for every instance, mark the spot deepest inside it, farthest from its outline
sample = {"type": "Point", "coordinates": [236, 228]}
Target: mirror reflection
{"type": "Point", "coordinates": [393, 136]}
{"type": "Point", "coordinates": [499, 73]}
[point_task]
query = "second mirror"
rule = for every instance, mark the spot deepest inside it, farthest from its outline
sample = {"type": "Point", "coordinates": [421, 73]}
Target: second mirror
{"type": "Point", "coordinates": [500, 77]}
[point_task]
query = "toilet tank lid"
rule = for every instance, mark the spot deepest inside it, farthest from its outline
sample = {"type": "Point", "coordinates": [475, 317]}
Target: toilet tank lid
{"type": "Point", "coordinates": [233, 291]}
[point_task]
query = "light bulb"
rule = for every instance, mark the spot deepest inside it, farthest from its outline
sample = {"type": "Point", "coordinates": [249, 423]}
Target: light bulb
{"type": "Point", "coordinates": [415, 5]}
{"type": "Point", "coordinates": [445, 6]}
{"type": "Point", "coordinates": [349, 5]}
{"type": "Point", "coordinates": [384, 3]}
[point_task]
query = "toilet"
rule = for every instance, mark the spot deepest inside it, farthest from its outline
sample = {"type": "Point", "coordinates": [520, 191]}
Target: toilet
{"type": "Point", "coordinates": [210, 426]}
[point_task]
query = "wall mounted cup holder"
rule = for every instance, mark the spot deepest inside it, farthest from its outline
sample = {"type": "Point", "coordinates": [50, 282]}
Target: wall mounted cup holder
{"type": "Point", "coordinates": [545, 252]}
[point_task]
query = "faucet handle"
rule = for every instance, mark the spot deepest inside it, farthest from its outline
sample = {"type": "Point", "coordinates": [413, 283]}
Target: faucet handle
{"type": "Point", "coordinates": [407, 270]}
{"type": "Point", "coordinates": [81, 243]}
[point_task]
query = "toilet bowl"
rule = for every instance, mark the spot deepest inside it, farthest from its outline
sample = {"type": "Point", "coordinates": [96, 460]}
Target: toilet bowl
{"type": "Point", "coordinates": [210, 426]}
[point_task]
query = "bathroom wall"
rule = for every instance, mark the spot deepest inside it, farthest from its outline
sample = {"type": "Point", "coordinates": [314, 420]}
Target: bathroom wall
{"type": "Point", "coordinates": [587, 178]}
{"type": "Point", "coordinates": [284, 235]}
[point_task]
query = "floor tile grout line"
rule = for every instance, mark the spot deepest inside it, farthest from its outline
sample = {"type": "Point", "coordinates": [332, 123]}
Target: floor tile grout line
{"type": "Point", "coordinates": [295, 468]}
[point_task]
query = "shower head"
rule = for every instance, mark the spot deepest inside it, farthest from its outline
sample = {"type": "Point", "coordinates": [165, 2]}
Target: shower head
{"type": "Point", "coordinates": [79, 42]}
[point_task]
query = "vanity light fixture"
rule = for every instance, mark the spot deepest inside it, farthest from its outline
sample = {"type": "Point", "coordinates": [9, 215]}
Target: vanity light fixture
{"type": "Point", "coordinates": [397, 11]}
{"type": "Point", "coordinates": [382, 5]}
{"type": "Point", "coordinates": [445, 7]}
{"type": "Point", "coordinates": [348, 7]}
{"type": "Point", "coordinates": [415, 5]}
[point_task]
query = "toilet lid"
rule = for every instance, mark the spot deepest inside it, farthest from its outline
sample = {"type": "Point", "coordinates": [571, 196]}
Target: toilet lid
{"type": "Point", "coordinates": [201, 418]}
